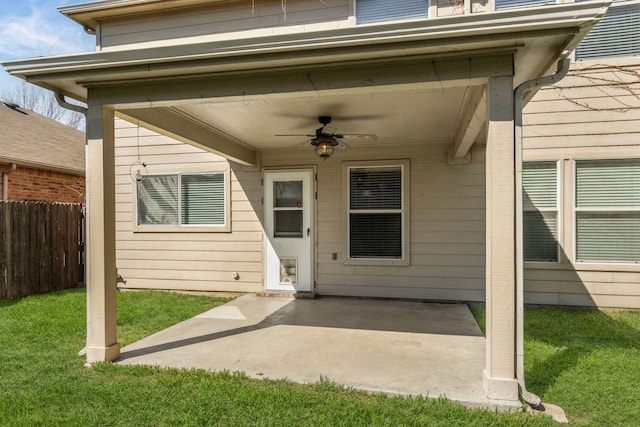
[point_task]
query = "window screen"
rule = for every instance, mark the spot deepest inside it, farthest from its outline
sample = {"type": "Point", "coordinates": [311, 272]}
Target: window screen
{"type": "Point", "coordinates": [540, 216]}
{"type": "Point", "coordinates": [202, 199]}
{"type": "Point", "coordinates": [375, 212]}
{"type": "Point", "coordinates": [617, 34]}
{"type": "Point", "coordinates": [608, 210]}
{"type": "Point", "coordinates": [370, 11]}
{"type": "Point", "coordinates": [519, 4]}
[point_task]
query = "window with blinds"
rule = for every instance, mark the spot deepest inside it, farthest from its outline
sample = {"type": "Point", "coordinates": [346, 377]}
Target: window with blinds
{"type": "Point", "coordinates": [182, 200]}
{"type": "Point", "coordinates": [520, 4]}
{"type": "Point", "coordinates": [540, 206]}
{"type": "Point", "coordinates": [617, 34]}
{"type": "Point", "coordinates": [371, 11]}
{"type": "Point", "coordinates": [376, 212]}
{"type": "Point", "coordinates": [607, 209]}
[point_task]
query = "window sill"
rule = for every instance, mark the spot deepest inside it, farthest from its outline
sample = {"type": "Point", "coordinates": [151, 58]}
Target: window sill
{"type": "Point", "coordinates": [591, 266]}
{"type": "Point", "coordinates": [170, 229]}
{"type": "Point", "coordinates": [378, 262]}
{"type": "Point", "coordinates": [582, 266]}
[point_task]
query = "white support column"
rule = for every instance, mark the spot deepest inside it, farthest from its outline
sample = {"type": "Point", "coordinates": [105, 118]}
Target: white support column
{"type": "Point", "coordinates": [499, 375]}
{"type": "Point", "coordinates": [102, 342]}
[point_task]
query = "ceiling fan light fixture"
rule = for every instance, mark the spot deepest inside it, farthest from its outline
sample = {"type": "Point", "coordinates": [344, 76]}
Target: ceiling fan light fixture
{"type": "Point", "coordinates": [324, 146]}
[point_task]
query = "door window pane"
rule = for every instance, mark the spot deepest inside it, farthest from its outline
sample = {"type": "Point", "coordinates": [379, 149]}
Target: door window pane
{"type": "Point", "coordinates": [287, 194]}
{"type": "Point", "coordinates": [288, 223]}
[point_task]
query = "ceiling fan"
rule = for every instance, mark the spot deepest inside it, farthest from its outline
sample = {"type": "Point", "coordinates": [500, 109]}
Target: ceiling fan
{"type": "Point", "coordinates": [326, 140]}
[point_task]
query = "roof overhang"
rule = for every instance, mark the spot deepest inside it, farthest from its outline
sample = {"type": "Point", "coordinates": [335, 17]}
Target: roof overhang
{"type": "Point", "coordinates": [416, 82]}
{"type": "Point", "coordinates": [537, 35]}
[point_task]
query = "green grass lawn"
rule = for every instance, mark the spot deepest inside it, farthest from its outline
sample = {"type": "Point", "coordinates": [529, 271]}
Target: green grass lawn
{"type": "Point", "coordinates": [585, 361]}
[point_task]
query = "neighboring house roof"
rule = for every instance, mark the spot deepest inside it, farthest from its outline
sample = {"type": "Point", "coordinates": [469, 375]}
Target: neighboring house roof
{"type": "Point", "coordinates": [31, 140]}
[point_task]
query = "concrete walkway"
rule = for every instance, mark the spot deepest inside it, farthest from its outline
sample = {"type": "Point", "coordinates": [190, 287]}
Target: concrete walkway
{"type": "Point", "coordinates": [390, 346]}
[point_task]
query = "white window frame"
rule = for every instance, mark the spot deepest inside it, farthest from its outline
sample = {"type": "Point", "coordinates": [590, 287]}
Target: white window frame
{"type": "Point", "coordinates": [576, 210]}
{"type": "Point", "coordinates": [404, 260]}
{"type": "Point", "coordinates": [185, 228]}
{"type": "Point", "coordinates": [557, 211]}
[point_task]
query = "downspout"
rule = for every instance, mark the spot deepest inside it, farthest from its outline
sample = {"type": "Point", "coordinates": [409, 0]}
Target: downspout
{"type": "Point", "coordinates": [5, 180]}
{"type": "Point", "coordinates": [82, 110]}
{"type": "Point", "coordinates": [64, 104]}
{"type": "Point", "coordinates": [563, 68]}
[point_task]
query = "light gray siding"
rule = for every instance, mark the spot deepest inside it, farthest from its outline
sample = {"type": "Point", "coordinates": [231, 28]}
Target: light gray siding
{"type": "Point", "coordinates": [189, 260]}
{"type": "Point", "coordinates": [223, 21]}
{"type": "Point", "coordinates": [592, 114]}
{"type": "Point", "coordinates": [447, 231]}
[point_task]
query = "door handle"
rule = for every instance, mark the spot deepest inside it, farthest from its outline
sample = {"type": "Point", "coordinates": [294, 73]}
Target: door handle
{"type": "Point", "coordinates": [308, 232]}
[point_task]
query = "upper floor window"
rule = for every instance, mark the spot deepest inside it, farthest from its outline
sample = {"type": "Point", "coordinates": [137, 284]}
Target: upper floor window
{"type": "Point", "coordinates": [171, 202]}
{"type": "Point", "coordinates": [519, 4]}
{"type": "Point", "coordinates": [607, 210]}
{"type": "Point", "coordinates": [540, 206]}
{"type": "Point", "coordinates": [370, 11]}
{"type": "Point", "coordinates": [617, 34]}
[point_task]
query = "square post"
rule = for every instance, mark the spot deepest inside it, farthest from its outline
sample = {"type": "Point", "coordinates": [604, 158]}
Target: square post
{"type": "Point", "coordinates": [102, 342]}
{"type": "Point", "coordinates": [499, 380]}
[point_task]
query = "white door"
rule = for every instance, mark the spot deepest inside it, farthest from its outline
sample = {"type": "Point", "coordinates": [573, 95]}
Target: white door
{"type": "Point", "coordinates": [288, 205]}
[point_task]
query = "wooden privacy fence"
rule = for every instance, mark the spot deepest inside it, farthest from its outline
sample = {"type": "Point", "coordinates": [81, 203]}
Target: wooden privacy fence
{"type": "Point", "coordinates": [40, 247]}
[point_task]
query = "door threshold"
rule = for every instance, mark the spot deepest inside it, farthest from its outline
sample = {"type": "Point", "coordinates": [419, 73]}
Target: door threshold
{"type": "Point", "coordinates": [288, 294]}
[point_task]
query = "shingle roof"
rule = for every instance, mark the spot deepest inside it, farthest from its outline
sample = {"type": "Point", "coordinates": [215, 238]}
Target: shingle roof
{"type": "Point", "coordinates": [31, 140]}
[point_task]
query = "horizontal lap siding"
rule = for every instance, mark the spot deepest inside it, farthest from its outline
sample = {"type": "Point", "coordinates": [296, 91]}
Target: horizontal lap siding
{"type": "Point", "coordinates": [447, 226]}
{"type": "Point", "coordinates": [223, 22]}
{"type": "Point", "coordinates": [593, 113]}
{"type": "Point", "coordinates": [185, 261]}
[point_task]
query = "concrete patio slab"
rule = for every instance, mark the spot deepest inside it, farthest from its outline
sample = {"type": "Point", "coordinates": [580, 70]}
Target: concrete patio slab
{"type": "Point", "coordinates": [390, 346]}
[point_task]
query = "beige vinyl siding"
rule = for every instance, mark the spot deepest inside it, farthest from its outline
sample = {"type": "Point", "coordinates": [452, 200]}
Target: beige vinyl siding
{"type": "Point", "coordinates": [225, 21]}
{"type": "Point", "coordinates": [594, 113]}
{"type": "Point", "coordinates": [447, 210]}
{"type": "Point", "coordinates": [189, 260]}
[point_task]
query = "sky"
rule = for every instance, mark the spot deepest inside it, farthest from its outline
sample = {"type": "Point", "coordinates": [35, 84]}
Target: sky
{"type": "Point", "coordinates": [31, 28]}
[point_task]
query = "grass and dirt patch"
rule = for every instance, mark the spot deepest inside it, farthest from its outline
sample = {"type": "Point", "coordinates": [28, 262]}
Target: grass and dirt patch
{"type": "Point", "coordinates": [585, 361]}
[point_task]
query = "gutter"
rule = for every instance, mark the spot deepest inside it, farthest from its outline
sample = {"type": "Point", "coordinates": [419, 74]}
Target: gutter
{"type": "Point", "coordinates": [5, 180]}
{"type": "Point", "coordinates": [563, 68]}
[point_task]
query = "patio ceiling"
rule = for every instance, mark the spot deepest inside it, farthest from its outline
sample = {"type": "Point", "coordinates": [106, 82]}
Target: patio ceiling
{"type": "Point", "coordinates": [409, 115]}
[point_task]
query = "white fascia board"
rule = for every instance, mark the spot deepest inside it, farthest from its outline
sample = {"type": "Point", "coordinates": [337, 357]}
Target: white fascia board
{"type": "Point", "coordinates": [518, 21]}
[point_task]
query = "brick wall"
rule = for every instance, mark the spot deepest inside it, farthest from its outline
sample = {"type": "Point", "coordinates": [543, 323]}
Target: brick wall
{"type": "Point", "coordinates": [35, 184]}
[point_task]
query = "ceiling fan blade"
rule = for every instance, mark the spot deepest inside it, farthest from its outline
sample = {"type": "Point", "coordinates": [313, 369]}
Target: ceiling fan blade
{"type": "Point", "coordinates": [295, 134]}
{"type": "Point", "coordinates": [343, 146]}
{"type": "Point", "coordinates": [358, 136]}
